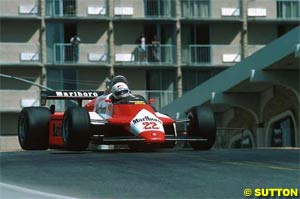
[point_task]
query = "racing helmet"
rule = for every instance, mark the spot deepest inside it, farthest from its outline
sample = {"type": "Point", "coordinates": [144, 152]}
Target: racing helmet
{"type": "Point", "coordinates": [120, 90]}
{"type": "Point", "coordinates": [118, 78]}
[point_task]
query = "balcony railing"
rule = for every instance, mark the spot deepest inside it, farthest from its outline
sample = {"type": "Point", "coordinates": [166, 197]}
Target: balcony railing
{"type": "Point", "coordinates": [19, 8]}
{"type": "Point", "coordinates": [19, 53]}
{"type": "Point", "coordinates": [135, 54]}
{"type": "Point", "coordinates": [211, 54]}
{"type": "Point", "coordinates": [76, 8]}
{"type": "Point", "coordinates": [145, 8]}
{"type": "Point", "coordinates": [79, 54]}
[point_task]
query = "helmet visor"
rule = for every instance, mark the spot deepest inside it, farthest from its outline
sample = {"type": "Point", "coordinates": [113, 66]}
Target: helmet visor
{"type": "Point", "coordinates": [122, 92]}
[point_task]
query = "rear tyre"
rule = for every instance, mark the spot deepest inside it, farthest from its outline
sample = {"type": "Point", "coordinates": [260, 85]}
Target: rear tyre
{"type": "Point", "coordinates": [76, 126]}
{"type": "Point", "coordinates": [33, 128]}
{"type": "Point", "coordinates": [202, 125]}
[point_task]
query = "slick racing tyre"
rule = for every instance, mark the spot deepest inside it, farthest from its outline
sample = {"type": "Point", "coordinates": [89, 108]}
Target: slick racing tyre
{"type": "Point", "coordinates": [76, 123]}
{"type": "Point", "coordinates": [33, 128]}
{"type": "Point", "coordinates": [202, 125]}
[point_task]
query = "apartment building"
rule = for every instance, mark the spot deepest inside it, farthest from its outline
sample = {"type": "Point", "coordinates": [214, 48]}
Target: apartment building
{"type": "Point", "coordinates": [79, 44]}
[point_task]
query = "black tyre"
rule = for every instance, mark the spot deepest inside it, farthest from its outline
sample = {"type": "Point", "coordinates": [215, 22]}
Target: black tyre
{"type": "Point", "coordinates": [202, 125]}
{"type": "Point", "coordinates": [76, 127]}
{"type": "Point", "coordinates": [33, 128]}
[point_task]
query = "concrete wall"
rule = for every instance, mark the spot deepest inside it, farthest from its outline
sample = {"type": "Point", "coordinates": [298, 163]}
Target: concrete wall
{"type": "Point", "coordinates": [11, 7]}
{"type": "Point", "coordinates": [261, 34]}
{"type": "Point", "coordinates": [30, 73]}
{"type": "Point", "coordinates": [82, 7]}
{"type": "Point", "coordinates": [127, 33]}
{"type": "Point", "coordinates": [137, 5]}
{"type": "Point", "coordinates": [217, 5]}
{"type": "Point", "coordinates": [29, 31]}
{"type": "Point", "coordinates": [93, 32]}
{"type": "Point", "coordinates": [269, 5]}
{"type": "Point", "coordinates": [8, 123]}
{"type": "Point", "coordinates": [225, 33]}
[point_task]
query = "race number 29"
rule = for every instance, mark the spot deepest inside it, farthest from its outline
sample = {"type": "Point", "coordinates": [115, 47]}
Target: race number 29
{"type": "Point", "coordinates": [150, 125]}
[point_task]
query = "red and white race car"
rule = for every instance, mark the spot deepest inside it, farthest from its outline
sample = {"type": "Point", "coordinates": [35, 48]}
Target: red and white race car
{"type": "Point", "coordinates": [136, 124]}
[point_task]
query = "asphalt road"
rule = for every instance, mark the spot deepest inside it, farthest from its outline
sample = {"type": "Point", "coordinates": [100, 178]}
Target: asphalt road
{"type": "Point", "coordinates": [178, 173]}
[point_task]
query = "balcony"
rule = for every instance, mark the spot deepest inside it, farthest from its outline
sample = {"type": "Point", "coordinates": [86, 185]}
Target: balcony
{"type": "Point", "coordinates": [19, 8]}
{"type": "Point", "coordinates": [211, 55]}
{"type": "Point", "coordinates": [89, 54]}
{"type": "Point", "coordinates": [210, 9]}
{"type": "Point", "coordinates": [76, 8]}
{"type": "Point", "coordinates": [158, 9]}
{"type": "Point", "coordinates": [133, 54]}
{"type": "Point", "coordinates": [19, 53]}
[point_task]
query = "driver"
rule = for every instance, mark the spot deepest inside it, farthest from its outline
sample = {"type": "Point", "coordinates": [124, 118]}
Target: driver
{"type": "Point", "coordinates": [120, 93]}
{"type": "Point", "coordinates": [117, 90]}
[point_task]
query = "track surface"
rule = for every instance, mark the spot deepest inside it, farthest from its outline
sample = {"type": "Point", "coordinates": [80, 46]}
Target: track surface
{"type": "Point", "coordinates": [177, 173]}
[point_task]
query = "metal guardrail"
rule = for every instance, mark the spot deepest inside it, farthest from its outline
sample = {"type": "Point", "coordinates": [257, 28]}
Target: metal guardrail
{"type": "Point", "coordinates": [211, 54]}
{"type": "Point", "coordinates": [150, 54]}
{"type": "Point", "coordinates": [65, 53]}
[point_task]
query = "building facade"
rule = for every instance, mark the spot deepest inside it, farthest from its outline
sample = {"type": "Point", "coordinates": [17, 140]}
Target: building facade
{"type": "Point", "coordinates": [79, 44]}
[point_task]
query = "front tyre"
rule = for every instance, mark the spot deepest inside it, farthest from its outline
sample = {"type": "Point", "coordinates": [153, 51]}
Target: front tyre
{"type": "Point", "coordinates": [202, 125]}
{"type": "Point", "coordinates": [33, 128]}
{"type": "Point", "coordinates": [76, 126]}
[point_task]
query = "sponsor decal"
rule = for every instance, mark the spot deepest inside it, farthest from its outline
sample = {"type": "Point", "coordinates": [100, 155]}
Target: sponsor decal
{"type": "Point", "coordinates": [145, 121]}
{"type": "Point", "coordinates": [76, 94]}
{"type": "Point", "coordinates": [57, 130]}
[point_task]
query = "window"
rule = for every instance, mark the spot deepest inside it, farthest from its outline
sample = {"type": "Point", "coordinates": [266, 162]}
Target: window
{"type": "Point", "coordinates": [283, 133]}
{"type": "Point", "coordinates": [195, 8]}
{"type": "Point", "coordinates": [157, 8]}
{"type": "Point", "coordinates": [288, 9]}
{"type": "Point", "coordinates": [60, 8]}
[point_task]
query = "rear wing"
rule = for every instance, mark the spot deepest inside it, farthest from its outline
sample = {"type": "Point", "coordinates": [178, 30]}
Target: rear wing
{"type": "Point", "coordinates": [69, 95]}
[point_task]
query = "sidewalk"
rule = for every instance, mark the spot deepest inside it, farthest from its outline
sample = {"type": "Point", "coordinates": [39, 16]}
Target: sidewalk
{"type": "Point", "coordinates": [9, 143]}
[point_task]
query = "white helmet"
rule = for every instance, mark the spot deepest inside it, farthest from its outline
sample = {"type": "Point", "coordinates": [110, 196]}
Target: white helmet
{"type": "Point", "coordinates": [120, 90]}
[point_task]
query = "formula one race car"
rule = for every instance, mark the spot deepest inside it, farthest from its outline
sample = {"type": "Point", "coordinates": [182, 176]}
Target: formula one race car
{"type": "Point", "coordinates": [135, 124]}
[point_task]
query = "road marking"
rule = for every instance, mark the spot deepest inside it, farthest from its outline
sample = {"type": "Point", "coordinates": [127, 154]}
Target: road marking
{"type": "Point", "coordinates": [249, 164]}
{"type": "Point", "coordinates": [34, 192]}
